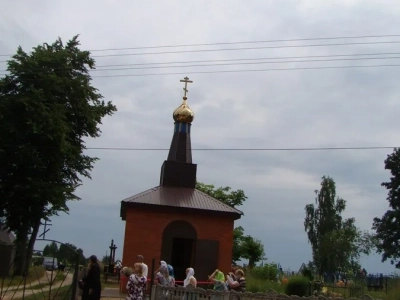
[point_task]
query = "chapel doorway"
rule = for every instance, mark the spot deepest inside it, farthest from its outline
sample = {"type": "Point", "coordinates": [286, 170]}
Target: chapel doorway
{"type": "Point", "coordinates": [178, 247]}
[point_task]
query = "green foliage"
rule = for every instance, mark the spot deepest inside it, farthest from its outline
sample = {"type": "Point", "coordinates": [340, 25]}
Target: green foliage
{"type": "Point", "coordinates": [47, 108]}
{"type": "Point", "coordinates": [308, 271]}
{"type": "Point", "coordinates": [223, 194]}
{"type": "Point", "coordinates": [265, 272]}
{"type": "Point", "coordinates": [387, 228]}
{"type": "Point", "coordinates": [297, 286]}
{"type": "Point", "coordinates": [255, 284]}
{"type": "Point", "coordinates": [325, 227]}
{"type": "Point", "coordinates": [65, 253]}
{"type": "Point", "coordinates": [251, 249]}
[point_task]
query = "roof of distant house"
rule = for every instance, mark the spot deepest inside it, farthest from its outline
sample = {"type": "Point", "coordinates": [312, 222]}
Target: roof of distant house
{"type": "Point", "coordinates": [180, 198]}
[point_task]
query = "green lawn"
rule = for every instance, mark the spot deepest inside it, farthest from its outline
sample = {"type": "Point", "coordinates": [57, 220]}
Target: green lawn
{"type": "Point", "coordinates": [35, 273]}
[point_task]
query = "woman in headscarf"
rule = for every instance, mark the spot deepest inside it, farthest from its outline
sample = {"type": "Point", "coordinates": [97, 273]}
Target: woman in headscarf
{"type": "Point", "coordinates": [218, 279]}
{"type": "Point", "coordinates": [137, 283]}
{"type": "Point", "coordinates": [169, 267]}
{"type": "Point", "coordinates": [91, 282]}
{"type": "Point", "coordinates": [190, 280]}
{"type": "Point", "coordinates": [163, 278]}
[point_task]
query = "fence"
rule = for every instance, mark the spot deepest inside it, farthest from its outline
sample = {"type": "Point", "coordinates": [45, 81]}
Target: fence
{"type": "Point", "coordinates": [179, 293]}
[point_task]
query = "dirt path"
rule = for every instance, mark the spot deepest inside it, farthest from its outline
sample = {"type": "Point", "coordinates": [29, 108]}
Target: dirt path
{"type": "Point", "coordinates": [9, 295]}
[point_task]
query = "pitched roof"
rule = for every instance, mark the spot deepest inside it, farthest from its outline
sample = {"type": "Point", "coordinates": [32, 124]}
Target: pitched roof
{"type": "Point", "coordinates": [181, 198]}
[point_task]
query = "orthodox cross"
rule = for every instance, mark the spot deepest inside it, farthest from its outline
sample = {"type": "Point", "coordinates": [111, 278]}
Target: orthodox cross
{"type": "Point", "coordinates": [186, 81]}
{"type": "Point", "coordinates": [45, 229]}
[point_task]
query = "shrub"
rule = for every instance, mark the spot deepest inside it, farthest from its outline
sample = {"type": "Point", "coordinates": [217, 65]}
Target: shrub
{"type": "Point", "coordinates": [297, 286]}
{"type": "Point", "coordinates": [267, 272]}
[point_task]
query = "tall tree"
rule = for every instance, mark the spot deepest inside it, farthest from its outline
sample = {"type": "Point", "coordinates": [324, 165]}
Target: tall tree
{"type": "Point", "coordinates": [387, 228]}
{"type": "Point", "coordinates": [47, 108]}
{"type": "Point", "coordinates": [325, 227]}
{"type": "Point", "coordinates": [252, 249]}
{"type": "Point", "coordinates": [233, 199]}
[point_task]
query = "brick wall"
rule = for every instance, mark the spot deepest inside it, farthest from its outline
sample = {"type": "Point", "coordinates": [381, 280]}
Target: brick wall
{"type": "Point", "coordinates": [144, 230]}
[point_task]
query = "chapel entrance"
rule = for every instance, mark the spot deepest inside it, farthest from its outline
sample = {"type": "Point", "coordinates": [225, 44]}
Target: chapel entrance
{"type": "Point", "coordinates": [178, 247]}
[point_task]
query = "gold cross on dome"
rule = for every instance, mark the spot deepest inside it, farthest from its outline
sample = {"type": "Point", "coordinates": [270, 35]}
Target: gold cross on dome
{"type": "Point", "coordinates": [186, 81]}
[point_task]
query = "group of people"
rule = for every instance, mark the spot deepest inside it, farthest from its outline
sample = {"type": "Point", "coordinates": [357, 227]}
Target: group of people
{"type": "Point", "coordinates": [164, 276]}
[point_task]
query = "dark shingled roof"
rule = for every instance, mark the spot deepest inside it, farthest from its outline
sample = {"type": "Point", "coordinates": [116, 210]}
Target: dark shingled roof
{"type": "Point", "coordinates": [180, 198]}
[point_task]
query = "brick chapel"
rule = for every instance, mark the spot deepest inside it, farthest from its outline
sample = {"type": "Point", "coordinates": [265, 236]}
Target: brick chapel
{"type": "Point", "coordinates": [175, 222]}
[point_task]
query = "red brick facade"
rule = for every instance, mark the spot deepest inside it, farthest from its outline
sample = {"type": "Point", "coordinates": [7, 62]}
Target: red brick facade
{"type": "Point", "coordinates": [144, 230]}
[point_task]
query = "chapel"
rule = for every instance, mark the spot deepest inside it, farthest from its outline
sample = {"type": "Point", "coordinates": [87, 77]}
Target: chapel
{"type": "Point", "coordinates": [175, 222]}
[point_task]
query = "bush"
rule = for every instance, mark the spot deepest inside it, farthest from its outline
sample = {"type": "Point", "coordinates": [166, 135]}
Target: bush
{"type": "Point", "coordinates": [297, 286]}
{"type": "Point", "coordinates": [267, 272]}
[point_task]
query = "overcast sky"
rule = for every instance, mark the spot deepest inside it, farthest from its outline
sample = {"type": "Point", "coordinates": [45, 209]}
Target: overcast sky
{"type": "Point", "coordinates": [347, 107]}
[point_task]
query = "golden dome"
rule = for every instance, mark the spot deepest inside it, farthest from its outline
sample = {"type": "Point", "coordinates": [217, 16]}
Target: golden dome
{"type": "Point", "coordinates": [183, 114]}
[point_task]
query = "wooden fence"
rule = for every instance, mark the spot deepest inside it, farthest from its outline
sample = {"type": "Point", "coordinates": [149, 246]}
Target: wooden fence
{"type": "Point", "coordinates": [180, 293]}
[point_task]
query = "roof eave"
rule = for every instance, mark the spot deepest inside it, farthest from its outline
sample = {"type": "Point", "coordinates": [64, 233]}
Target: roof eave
{"type": "Point", "coordinates": [125, 205]}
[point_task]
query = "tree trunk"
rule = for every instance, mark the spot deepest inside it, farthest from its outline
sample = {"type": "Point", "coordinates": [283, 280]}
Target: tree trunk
{"type": "Point", "coordinates": [21, 247]}
{"type": "Point", "coordinates": [31, 244]}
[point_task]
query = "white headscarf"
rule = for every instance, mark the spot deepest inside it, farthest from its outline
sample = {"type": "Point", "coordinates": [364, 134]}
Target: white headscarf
{"type": "Point", "coordinates": [188, 276]}
{"type": "Point", "coordinates": [163, 263]}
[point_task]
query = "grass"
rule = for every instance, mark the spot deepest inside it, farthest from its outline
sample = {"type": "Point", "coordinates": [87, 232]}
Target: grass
{"type": "Point", "coordinates": [35, 273]}
{"type": "Point", "coordinates": [257, 285]}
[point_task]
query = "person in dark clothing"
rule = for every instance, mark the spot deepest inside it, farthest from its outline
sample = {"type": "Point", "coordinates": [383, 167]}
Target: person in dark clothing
{"type": "Point", "coordinates": [91, 282]}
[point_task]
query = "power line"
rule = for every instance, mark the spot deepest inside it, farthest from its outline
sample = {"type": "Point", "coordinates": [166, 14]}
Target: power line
{"type": "Point", "coordinates": [247, 63]}
{"type": "Point", "coordinates": [247, 149]}
{"type": "Point", "coordinates": [247, 48]}
{"type": "Point", "coordinates": [226, 149]}
{"type": "Point", "coordinates": [241, 59]}
{"type": "Point", "coordinates": [251, 62]}
{"type": "Point", "coordinates": [251, 59]}
{"type": "Point", "coordinates": [249, 70]}
{"type": "Point", "coordinates": [234, 71]}
{"type": "Point", "coordinates": [241, 42]}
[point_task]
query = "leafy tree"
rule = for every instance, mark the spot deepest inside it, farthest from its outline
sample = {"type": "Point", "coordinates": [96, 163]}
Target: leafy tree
{"type": "Point", "coordinates": [223, 194]}
{"type": "Point", "coordinates": [47, 107]}
{"type": "Point", "coordinates": [66, 253]}
{"type": "Point", "coordinates": [387, 228]}
{"type": "Point", "coordinates": [325, 227]}
{"type": "Point", "coordinates": [51, 250]}
{"type": "Point", "coordinates": [252, 249]}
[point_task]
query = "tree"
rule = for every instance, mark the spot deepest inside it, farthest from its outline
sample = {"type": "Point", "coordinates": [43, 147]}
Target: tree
{"type": "Point", "coordinates": [51, 250]}
{"type": "Point", "coordinates": [387, 228]}
{"type": "Point", "coordinates": [252, 249]}
{"type": "Point", "coordinates": [325, 227]}
{"type": "Point", "coordinates": [223, 194]}
{"type": "Point", "coordinates": [47, 108]}
{"type": "Point", "coordinates": [66, 253]}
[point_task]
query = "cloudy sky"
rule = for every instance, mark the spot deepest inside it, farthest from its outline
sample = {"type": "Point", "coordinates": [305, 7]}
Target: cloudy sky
{"type": "Point", "coordinates": [297, 108]}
